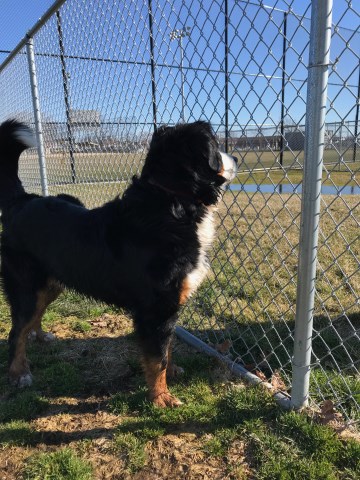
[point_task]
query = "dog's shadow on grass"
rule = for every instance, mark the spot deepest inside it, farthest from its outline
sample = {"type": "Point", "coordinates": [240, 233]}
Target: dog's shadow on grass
{"type": "Point", "coordinates": [84, 388]}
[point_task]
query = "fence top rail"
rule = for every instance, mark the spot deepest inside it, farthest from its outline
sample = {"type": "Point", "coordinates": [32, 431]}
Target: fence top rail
{"type": "Point", "coordinates": [42, 20]}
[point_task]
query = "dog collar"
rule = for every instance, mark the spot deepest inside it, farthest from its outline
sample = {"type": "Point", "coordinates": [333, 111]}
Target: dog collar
{"type": "Point", "coordinates": [177, 193]}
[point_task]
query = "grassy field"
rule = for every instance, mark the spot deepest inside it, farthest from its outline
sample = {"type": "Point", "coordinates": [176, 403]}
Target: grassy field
{"type": "Point", "coordinates": [257, 159]}
{"type": "Point", "coordinates": [108, 167]}
{"type": "Point", "coordinates": [89, 167]}
{"type": "Point", "coordinates": [278, 177]}
{"type": "Point", "coordinates": [86, 416]}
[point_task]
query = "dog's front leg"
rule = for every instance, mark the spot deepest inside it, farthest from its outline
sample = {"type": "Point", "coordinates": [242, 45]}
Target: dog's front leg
{"type": "Point", "coordinates": [155, 374]}
{"type": "Point", "coordinates": [155, 338]}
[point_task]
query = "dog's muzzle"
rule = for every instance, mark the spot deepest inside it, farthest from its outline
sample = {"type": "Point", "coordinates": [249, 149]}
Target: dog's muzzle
{"type": "Point", "coordinates": [230, 166]}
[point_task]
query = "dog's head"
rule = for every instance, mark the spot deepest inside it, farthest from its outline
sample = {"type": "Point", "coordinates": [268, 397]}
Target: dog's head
{"type": "Point", "coordinates": [185, 159]}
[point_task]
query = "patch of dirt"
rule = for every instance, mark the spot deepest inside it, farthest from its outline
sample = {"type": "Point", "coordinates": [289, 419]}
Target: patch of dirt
{"type": "Point", "coordinates": [107, 325]}
{"type": "Point", "coordinates": [66, 427]}
{"type": "Point", "coordinates": [84, 424]}
{"type": "Point", "coordinates": [89, 434]}
{"type": "Point", "coordinates": [182, 456]}
{"type": "Point", "coordinates": [11, 461]}
{"type": "Point", "coordinates": [106, 466]}
{"type": "Point", "coordinates": [103, 352]}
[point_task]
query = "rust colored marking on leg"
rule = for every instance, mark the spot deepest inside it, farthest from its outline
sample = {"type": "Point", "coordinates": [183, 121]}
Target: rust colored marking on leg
{"type": "Point", "coordinates": [44, 298]}
{"type": "Point", "coordinates": [19, 371]}
{"type": "Point", "coordinates": [155, 375]}
{"type": "Point", "coordinates": [185, 291]}
{"type": "Point", "coordinates": [19, 366]}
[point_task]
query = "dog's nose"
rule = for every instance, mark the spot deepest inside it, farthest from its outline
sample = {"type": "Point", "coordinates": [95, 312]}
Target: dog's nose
{"type": "Point", "coordinates": [235, 159]}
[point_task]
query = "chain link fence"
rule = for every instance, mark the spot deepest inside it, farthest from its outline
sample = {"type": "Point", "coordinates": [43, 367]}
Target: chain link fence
{"type": "Point", "coordinates": [107, 73]}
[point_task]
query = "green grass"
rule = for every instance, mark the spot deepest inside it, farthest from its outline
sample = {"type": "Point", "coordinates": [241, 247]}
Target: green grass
{"type": "Point", "coordinates": [22, 405]}
{"type": "Point", "coordinates": [61, 378]}
{"type": "Point", "coordinates": [132, 449]}
{"type": "Point", "coordinates": [17, 433]}
{"type": "Point", "coordinates": [220, 442]}
{"type": "Point", "coordinates": [60, 465]}
{"type": "Point", "coordinates": [280, 445]}
{"type": "Point", "coordinates": [70, 304]}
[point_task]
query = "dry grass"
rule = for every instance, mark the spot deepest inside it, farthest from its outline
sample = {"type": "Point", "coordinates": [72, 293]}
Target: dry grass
{"type": "Point", "coordinates": [256, 257]}
{"type": "Point", "coordinates": [89, 167]}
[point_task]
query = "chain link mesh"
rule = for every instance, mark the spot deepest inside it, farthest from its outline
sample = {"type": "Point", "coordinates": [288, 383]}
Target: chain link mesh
{"type": "Point", "coordinates": [109, 71]}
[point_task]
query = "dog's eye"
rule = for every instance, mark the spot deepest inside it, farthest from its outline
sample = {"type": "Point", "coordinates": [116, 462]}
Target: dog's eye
{"type": "Point", "coordinates": [215, 162]}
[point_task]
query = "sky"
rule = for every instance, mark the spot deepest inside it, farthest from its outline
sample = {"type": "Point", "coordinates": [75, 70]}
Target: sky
{"type": "Point", "coordinates": [16, 18]}
{"type": "Point", "coordinates": [122, 91]}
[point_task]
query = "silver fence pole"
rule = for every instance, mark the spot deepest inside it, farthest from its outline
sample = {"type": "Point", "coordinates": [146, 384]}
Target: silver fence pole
{"type": "Point", "coordinates": [182, 80]}
{"type": "Point", "coordinates": [37, 115]}
{"type": "Point", "coordinates": [319, 55]}
{"type": "Point", "coordinates": [282, 399]}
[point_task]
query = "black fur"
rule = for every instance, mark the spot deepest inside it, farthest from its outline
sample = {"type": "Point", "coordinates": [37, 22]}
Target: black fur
{"type": "Point", "coordinates": [133, 252]}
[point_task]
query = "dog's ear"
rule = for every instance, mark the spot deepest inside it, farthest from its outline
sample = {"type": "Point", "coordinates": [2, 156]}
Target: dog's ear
{"type": "Point", "coordinates": [215, 162]}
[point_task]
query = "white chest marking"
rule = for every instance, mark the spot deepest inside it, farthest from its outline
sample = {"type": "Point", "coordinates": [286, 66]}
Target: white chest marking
{"type": "Point", "coordinates": [205, 234]}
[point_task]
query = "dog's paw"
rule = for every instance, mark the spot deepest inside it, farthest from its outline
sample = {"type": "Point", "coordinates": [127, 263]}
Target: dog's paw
{"type": "Point", "coordinates": [166, 400]}
{"type": "Point", "coordinates": [32, 336]}
{"type": "Point", "coordinates": [41, 336]}
{"type": "Point", "coordinates": [46, 337]}
{"type": "Point", "coordinates": [174, 371]}
{"type": "Point", "coordinates": [24, 380]}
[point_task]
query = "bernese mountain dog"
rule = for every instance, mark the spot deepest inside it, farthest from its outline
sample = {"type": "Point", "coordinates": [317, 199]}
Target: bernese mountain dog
{"type": "Point", "coordinates": [145, 252]}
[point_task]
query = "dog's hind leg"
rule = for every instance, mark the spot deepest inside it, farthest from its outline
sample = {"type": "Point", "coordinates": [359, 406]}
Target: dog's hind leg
{"type": "Point", "coordinates": [45, 296]}
{"type": "Point", "coordinates": [27, 291]}
{"type": "Point", "coordinates": [155, 338]}
{"type": "Point", "coordinates": [173, 370]}
{"type": "Point", "coordinates": [27, 309]}
{"type": "Point", "coordinates": [23, 315]}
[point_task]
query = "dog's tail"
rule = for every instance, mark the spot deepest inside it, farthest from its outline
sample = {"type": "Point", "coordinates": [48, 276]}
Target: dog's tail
{"type": "Point", "coordinates": [15, 137]}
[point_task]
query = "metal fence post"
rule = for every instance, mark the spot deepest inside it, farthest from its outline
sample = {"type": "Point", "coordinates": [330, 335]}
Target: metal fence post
{"type": "Point", "coordinates": [283, 81]}
{"type": "Point", "coordinates": [152, 64]}
{"type": "Point", "coordinates": [226, 65]}
{"type": "Point", "coordinates": [37, 115]}
{"type": "Point", "coordinates": [356, 118]}
{"type": "Point", "coordinates": [66, 97]}
{"type": "Point", "coordinates": [319, 54]}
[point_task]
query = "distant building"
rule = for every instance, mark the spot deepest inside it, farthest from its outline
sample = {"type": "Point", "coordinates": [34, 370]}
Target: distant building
{"type": "Point", "coordinates": [260, 142]}
{"type": "Point", "coordinates": [294, 140]}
